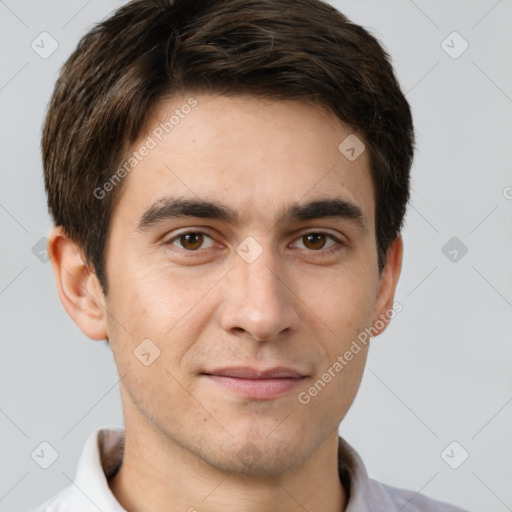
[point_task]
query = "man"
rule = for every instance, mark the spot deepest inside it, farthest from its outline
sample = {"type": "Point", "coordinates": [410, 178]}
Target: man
{"type": "Point", "coordinates": [228, 181]}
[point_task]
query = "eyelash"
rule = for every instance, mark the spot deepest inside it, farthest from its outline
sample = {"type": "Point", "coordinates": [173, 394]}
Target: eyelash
{"type": "Point", "coordinates": [338, 245]}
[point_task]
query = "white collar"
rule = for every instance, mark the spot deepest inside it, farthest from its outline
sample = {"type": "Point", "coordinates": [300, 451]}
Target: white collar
{"type": "Point", "coordinates": [103, 452]}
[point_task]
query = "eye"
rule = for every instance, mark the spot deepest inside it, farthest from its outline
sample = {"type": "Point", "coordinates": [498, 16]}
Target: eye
{"type": "Point", "coordinates": [190, 241]}
{"type": "Point", "coordinates": [316, 241]}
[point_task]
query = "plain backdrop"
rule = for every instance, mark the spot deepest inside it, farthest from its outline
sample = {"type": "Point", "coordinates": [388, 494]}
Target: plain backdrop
{"type": "Point", "coordinates": [441, 372]}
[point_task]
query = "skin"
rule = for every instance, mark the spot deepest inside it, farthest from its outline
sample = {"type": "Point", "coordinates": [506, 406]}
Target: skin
{"type": "Point", "coordinates": [297, 305]}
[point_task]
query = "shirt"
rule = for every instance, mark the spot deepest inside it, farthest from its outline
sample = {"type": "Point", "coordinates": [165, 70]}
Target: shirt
{"type": "Point", "coordinates": [103, 453]}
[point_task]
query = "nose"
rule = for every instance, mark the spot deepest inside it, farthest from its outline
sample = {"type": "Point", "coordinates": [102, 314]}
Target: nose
{"type": "Point", "coordinates": [259, 302]}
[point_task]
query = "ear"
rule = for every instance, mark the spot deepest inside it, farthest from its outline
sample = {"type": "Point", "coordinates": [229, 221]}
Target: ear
{"type": "Point", "coordinates": [387, 286]}
{"type": "Point", "coordinates": [79, 289]}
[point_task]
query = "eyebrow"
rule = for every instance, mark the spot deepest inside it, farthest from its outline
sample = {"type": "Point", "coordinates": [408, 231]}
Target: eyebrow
{"type": "Point", "coordinates": [168, 208]}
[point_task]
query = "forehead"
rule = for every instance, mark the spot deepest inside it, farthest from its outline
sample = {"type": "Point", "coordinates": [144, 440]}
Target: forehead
{"type": "Point", "coordinates": [254, 155]}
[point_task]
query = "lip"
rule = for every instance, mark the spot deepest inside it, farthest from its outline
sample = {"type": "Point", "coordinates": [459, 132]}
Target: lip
{"type": "Point", "coordinates": [256, 384]}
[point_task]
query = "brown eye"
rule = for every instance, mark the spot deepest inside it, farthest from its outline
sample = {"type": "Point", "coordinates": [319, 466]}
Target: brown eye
{"type": "Point", "coordinates": [314, 241]}
{"type": "Point", "coordinates": [190, 241]}
{"type": "Point", "coordinates": [320, 242]}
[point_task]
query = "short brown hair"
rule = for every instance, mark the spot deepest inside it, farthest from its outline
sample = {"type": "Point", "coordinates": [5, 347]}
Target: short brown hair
{"type": "Point", "coordinates": [152, 49]}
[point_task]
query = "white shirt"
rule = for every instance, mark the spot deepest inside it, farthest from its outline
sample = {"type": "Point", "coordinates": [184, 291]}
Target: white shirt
{"type": "Point", "coordinates": [103, 452]}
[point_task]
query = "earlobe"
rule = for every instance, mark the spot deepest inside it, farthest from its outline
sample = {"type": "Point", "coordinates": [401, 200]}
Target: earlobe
{"type": "Point", "coordinates": [77, 285]}
{"type": "Point", "coordinates": [388, 281]}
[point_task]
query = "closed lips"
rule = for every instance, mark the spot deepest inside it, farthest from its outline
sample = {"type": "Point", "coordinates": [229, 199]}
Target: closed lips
{"type": "Point", "coordinates": [256, 374]}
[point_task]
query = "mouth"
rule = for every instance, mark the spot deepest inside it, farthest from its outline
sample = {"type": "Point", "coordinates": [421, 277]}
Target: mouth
{"type": "Point", "coordinates": [256, 384]}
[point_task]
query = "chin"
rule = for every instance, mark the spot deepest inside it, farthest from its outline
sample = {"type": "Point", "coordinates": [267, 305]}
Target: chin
{"type": "Point", "coordinates": [252, 459]}
{"type": "Point", "coordinates": [256, 454]}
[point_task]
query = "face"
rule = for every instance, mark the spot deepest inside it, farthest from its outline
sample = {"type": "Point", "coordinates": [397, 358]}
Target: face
{"type": "Point", "coordinates": [241, 265]}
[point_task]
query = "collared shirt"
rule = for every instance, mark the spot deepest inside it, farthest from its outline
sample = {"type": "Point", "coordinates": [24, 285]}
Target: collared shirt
{"type": "Point", "coordinates": [103, 452]}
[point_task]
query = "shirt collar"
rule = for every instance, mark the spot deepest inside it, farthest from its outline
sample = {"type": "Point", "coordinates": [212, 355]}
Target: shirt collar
{"type": "Point", "coordinates": [101, 455]}
{"type": "Point", "coordinates": [363, 493]}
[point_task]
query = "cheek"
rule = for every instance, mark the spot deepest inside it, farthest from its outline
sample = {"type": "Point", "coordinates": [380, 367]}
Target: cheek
{"type": "Point", "coordinates": [343, 301]}
{"type": "Point", "coordinates": [330, 394]}
{"type": "Point", "coordinates": [158, 329]}
{"type": "Point", "coordinates": [156, 296]}
{"type": "Point", "coordinates": [162, 305]}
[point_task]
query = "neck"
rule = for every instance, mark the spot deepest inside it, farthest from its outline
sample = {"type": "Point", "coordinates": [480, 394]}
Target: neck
{"type": "Point", "coordinates": [158, 474]}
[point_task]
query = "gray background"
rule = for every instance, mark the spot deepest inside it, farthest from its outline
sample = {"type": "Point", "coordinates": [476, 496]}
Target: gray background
{"type": "Point", "coordinates": [440, 373]}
